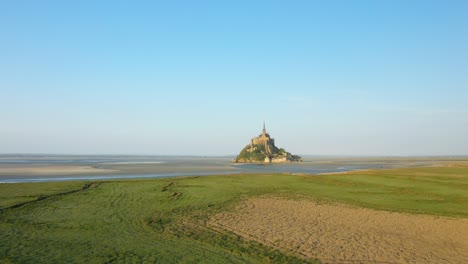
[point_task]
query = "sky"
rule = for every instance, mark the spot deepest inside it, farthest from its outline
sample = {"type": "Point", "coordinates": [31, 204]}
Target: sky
{"type": "Point", "coordinates": [361, 78]}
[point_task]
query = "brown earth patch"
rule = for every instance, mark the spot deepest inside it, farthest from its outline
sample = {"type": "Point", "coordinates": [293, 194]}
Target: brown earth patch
{"type": "Point", "coordinates": [335, 233]}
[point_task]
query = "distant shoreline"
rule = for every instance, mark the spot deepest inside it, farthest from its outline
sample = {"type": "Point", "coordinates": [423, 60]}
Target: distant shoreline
{"type": "Point", "coordinates": [92, 168]}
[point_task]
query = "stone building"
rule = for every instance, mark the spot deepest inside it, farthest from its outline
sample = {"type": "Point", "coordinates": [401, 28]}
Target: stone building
{"type": "Point", "coordinates": [262, 149]}
{"type": "Point", "coordinates": [264, 139]}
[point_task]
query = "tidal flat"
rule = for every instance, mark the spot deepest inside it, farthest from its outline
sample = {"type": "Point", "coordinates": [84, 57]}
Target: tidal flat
{"type": "Point", "coordinates": [187, 219]}
{"type": "Point", "coordinates": [45, 168]}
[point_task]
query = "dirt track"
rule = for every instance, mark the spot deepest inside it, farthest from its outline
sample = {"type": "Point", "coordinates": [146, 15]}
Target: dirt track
{"type": "Point", "coordinates": [335, 233]}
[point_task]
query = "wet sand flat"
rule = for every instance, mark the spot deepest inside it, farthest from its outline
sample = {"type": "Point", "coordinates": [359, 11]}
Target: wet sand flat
{"type": "Point", "coordinates": [51, 170]}
{"type": "Point", "coordinates": [26, 168]}
{"type": "Point", "coordinates": [336, 233]}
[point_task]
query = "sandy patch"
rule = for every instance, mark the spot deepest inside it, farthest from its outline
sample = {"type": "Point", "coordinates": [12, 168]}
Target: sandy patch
{"type": "Point", "coordinates": [133, 162]}
{"type": "Point", "coordinates": [335, 233]}
{"type": "Point", "coordinates": [51, 170]}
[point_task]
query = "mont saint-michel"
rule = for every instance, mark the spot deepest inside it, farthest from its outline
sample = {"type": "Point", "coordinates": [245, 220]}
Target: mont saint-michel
{"type": "Point", "coordinates": [262, 149]}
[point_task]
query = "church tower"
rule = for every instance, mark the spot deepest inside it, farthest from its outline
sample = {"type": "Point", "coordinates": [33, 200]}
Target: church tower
{"type": "Point", "coordinates": [262, 149]}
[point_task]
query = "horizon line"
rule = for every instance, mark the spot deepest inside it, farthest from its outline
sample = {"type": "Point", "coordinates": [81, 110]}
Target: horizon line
{"type": "Point", "coordinates": [230, 155]}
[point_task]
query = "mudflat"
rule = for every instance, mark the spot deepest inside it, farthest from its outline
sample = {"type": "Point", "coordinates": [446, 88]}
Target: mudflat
{"type": "Point", "coordinates": [51, 170]}
{"type": "Point", "coordinates": [58, 167]}
{"type": "Point", "coordinates": [338, 233]}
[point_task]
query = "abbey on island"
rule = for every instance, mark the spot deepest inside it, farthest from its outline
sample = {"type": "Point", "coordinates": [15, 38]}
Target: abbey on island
{"type": "Point", "coordinates": [262, 149]}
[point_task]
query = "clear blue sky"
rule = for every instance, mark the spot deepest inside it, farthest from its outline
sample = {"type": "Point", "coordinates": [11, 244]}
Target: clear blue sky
{"type": "Point", "coordinates": [199, 77]}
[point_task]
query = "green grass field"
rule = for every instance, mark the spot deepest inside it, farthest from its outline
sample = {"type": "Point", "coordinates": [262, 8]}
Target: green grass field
{"type": "Point", "coordinates": [162, 220]}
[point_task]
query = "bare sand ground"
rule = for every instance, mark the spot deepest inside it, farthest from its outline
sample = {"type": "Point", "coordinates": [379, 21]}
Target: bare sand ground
{"type": "Point", "coordinates": [134, 165]}
{"type": "Point", "coordinates": [51, 170]}
{"type": "Point", "coordinates": [336, 233]}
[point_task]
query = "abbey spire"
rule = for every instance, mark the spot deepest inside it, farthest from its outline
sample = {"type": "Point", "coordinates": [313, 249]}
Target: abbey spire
{"type": "Point", "coordinates": [262, 149]}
